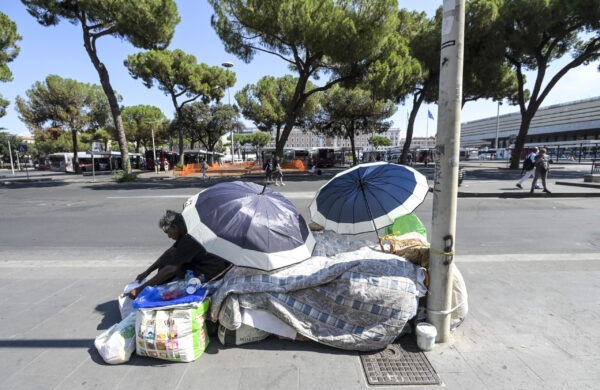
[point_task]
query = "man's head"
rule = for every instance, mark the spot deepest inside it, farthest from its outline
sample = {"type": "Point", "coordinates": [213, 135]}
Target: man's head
{"type": "Point", "coordinates": [173, 224]}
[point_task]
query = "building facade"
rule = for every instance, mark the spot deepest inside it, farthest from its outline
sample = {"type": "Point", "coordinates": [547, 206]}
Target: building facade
{"type": "Point", "coordinates": [566, 122]}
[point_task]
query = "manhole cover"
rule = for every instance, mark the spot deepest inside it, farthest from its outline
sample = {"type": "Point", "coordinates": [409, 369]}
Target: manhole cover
{"type": "Point", "coordinates": [401, 363]}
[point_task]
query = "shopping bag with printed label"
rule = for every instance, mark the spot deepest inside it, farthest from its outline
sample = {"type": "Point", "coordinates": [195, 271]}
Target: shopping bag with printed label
{"type": "Point", "coordinates": [176, 333]}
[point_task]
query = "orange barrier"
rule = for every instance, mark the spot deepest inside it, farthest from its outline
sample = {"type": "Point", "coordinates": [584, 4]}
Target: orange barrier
{"type": "Point", "coordinates": [295, 164]}
{"type": "Point", "coordinates": [247, 167]}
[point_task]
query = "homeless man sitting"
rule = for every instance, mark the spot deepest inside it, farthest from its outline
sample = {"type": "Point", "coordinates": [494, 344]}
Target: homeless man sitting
{"type": "Point", "coordinates": [186, 253]}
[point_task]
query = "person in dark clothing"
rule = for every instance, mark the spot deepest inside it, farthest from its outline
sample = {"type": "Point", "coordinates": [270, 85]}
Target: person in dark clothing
{"type": "Point", "coordinates": [185, 254]}
{"type": "Point", "coordinates": [542, 167]}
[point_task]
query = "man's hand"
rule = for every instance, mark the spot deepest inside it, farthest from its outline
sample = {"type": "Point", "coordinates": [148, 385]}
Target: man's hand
{"type": "Point", "coordinates": [141, 276]}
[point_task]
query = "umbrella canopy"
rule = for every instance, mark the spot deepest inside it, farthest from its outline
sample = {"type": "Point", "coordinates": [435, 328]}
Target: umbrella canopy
{"type": "Point", "coordinates": [248, 225]}
{"type": "Point", "coordinates": [367, 197]}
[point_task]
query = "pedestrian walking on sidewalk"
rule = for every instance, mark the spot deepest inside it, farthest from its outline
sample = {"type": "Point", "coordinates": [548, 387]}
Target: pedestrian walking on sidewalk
{"type": "Point", "coordinates": [278, 173]}
{"type": "Point", "coordinates": [204, 169]}
{"type": "Point", "coordinates": [528, 167]}
{"type": "Point", "coordinates": [268, 167]}
{"type": "Point", "coordinates": [542, 167]}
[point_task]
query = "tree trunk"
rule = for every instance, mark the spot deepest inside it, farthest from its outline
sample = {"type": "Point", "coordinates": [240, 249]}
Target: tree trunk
{"type": "Point", "coordinates": [110, 94]}
{"type": "Point", "coordinates": [417, 101]}
{"type": "Point", "coordinates": [526, 118]}
{"type": "Point", "coordinates": [76, 167]}
{"type": "Point", "coordinates": [292, 113]}
{"type": "Point", "coordinates": [352, 145]}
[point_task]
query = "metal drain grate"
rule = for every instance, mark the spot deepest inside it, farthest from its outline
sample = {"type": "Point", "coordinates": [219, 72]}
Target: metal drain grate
{"type": "Point", "coordinates": [401, 363]}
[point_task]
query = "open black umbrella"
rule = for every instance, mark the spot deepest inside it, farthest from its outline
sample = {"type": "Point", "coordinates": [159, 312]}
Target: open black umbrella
{"type": "Point", "coordinates": [248, 225]}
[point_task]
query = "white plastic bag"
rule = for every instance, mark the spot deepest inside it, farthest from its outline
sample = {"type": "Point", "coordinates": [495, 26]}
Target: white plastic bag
{"type": "Point", "coordinates": [125, 303]}
{"type": "Point", "coordinates": [117, 343]}
{"type": "Point", "coordinates": [460, 299]}
{"type": "Point", "coordinates": [125, 306]}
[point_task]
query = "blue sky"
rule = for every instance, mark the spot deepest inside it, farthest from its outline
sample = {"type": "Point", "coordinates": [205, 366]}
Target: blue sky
{"type": "Point", "coordinates": [59, 50]}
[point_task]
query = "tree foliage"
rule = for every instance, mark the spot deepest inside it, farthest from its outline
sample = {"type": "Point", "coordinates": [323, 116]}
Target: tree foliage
{"type": "Point", "coordinates": [147, 24]}
{"type": "Point", "coordinates": [538, 32]}
{"type": "Point", "coordinates": [208, 123]}
{"type": "Point", "coordinates": [5, 139]}
{"type": "Point", "coordinates": [347, 113]}
{"type": "Point", "coordinates": [140, 122]}
{"type": "Point", "coordinates": [378, 141]}
{"type": "Point", "coordinates": [258, 140]}
{"type": "Point", "coordinates": [486, 74]}
{"type": "Point", "coordinates": [58, 104]}
{"type": "Point", "coordinates": [179, 75]}
{"type": "Point", "coordinates": [8, 52]}
{"type": "Point", "coordinates": [265, 103]}
{"type": "Point", "coordinates": [315, 37]}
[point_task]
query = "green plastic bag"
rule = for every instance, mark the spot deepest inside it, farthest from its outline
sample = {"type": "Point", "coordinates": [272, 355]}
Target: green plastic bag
{"type": "Point", "coordinates": [406, 224]}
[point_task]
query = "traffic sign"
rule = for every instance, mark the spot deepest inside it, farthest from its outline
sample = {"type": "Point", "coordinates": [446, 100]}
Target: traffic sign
{"type": "Point", "coordinates": [22, 148]}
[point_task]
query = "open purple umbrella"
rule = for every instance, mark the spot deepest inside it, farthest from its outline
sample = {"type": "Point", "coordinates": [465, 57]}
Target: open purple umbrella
{"type": "Point", "coordinates": [248, 225]}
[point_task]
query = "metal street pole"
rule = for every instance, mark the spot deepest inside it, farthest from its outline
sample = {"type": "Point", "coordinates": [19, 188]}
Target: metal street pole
{"type": "Point", "coordinates": [154, 148]}
{"type": "Point", "coordinates": [497, 126]}
{"type": "Point", "coordinates": [12, 166]}
{"type": "Point", "coordinates": [229, 65]}
{"type": "Point", "coordinates": [445, 190]}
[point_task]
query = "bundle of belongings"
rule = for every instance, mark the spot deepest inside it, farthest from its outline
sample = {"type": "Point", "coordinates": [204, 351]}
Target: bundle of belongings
{"type": "Point", "coordinates": [348, 295]}
{"type": "Point", "coordinates": [407, 238]}
{"type": "Point", "coordinates": [355, 300]}
{"type": "Point", "coordinates": [164, 322]}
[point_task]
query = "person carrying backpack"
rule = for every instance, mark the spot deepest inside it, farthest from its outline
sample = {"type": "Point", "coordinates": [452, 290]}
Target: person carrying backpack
{"type": "Point", "coordinates": [542, 167]}
{"type": "Point", "coordinates": [528, 167]}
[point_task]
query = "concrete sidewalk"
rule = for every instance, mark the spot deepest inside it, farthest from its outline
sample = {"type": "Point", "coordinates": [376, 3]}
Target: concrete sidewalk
{"type": "Point", "coordinates": [532, 324]}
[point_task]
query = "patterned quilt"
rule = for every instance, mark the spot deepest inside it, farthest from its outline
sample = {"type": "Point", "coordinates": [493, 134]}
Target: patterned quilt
{"type": "Point", "coordinates": [357, 300]}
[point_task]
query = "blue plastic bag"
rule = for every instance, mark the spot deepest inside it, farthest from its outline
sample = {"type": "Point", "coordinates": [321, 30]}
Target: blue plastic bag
{"type": "Point", "coordinates": [167, 295]}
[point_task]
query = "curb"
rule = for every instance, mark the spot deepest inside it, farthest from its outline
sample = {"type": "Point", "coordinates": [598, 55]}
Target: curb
{"type": "Point", "coordinates": [521, 195]}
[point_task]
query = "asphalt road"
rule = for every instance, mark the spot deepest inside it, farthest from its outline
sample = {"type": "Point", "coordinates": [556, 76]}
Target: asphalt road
{"type": "Point", "coordinates": [78, 220]}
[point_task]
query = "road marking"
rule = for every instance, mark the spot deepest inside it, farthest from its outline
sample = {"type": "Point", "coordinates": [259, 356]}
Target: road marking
{"type": "Point", "coordinates": [137, 260]}
{"type": "Point", "coordinates": [289, 195]}
{"type": "Point", "coordinates": [149, 197]}
{"type": "Point", "coordinates": [527, 257]}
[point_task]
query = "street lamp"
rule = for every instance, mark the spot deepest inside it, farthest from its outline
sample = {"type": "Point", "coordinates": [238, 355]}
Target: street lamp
{"type": "Point", "coordinates": [497, 126]}
{"type": "Point", "coordinates": [229, 65]}
{"type": "Point", "coordinates": [151, 123]}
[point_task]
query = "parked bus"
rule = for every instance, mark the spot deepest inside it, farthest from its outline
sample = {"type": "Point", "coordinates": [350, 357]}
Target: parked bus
{"type": "Point", "coordinates": [63, 161]}
{"type": "Point", "coordinates": [343, 156]}
{"type": "Point", "coordinates": [468, 154]}
{"type": "Point", "coordinates": [161, 157]}
{"type": "Point", "coordinates": [424, 155]}
{"type": "Point", "coordinates": [323, 157]}
{"type": "Point", "coordinates": [103, 161]}
{"type": "Point", "coordinates": [195, 156]}
{"type": "Point", "coordinates": [289, 154]}
{"type": "Point", "coordinates": [375, 155]}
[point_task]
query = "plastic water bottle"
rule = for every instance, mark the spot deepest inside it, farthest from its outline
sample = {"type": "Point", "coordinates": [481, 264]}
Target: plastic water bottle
{"type": "Point", "coordinates": [193, 284]}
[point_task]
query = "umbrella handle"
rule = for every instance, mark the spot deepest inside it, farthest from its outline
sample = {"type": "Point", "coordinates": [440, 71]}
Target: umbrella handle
{"type": "Point", "coordinates": [362, 190]}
